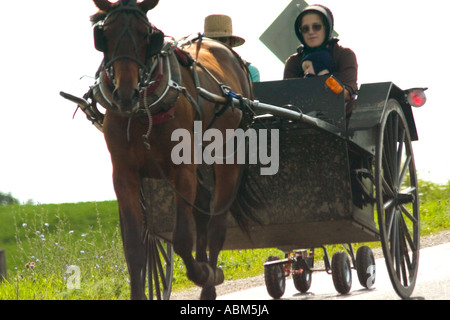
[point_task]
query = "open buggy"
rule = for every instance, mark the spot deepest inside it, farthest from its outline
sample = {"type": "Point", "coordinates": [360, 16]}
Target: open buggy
{"type": "Point", "coordinates": [342, 179]}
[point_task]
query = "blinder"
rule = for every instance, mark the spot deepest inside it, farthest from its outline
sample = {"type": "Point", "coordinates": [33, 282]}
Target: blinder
{"type": "Point", "coordinates": [155, 41]}
{"type": "Point", "coordinates": [100, 39]}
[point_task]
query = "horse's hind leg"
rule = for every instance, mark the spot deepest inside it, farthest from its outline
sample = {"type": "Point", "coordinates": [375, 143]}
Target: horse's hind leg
{"type": "Point", "coordinates": [201, 211]}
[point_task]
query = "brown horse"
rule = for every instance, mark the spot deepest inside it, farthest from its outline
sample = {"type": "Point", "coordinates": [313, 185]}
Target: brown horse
{"type": "Point", "coordinates": [139, 102]}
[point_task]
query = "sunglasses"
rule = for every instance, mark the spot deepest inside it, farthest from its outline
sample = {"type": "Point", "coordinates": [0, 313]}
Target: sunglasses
{"type": "Point", "coordinates": [315, 27]}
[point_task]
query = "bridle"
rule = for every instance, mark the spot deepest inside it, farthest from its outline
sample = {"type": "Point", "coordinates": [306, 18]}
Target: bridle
{"type": "Point", "coordinates": [128, 11]}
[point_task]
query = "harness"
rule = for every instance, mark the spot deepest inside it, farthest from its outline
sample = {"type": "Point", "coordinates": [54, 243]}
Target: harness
{"type": "Point", "coordinates": [158, 90]}
{"type": "Point", "coordinates": [159, 82]}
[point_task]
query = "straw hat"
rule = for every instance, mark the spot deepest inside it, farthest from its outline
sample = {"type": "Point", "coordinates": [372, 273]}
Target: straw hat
{"type": "Point", "coordinates": [220, 26]}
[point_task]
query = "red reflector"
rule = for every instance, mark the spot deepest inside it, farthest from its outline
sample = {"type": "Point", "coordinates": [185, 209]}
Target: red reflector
{"type": "Point", "coordinates": [417, 97]}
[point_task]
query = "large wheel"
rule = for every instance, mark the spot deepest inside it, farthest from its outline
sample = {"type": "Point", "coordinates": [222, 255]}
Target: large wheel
{"type": "Point", "coordinates": [274, 278]}
{"type": "Point", "coordinates": [341, 272]}
{"type": "Point", "coordinates": [160, 268]}
{"type": "Point", "coordinates": [397, 199]}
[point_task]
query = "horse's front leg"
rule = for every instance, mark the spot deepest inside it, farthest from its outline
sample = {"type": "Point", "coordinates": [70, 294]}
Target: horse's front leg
{"type": "Point", "coordinates": [183, 236]}
{"type": "Point", "coordinates": [227, 177]}
{"type": "Point", "coordinates": [132, 228]}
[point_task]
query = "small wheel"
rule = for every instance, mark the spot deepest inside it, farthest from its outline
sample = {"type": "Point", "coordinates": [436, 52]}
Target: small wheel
{"type": "Point", "coordinates": [302, 281]}
{"type": "Point", "coordinates": [275, 279]}
{"type": "Point", "coordinates": [160, 268]}
{"type": "Point", "coordinates": [341, 272]}
{"type": "Point", "coordinates": [365, 267]}
{"type": "Point", "coordinates": [397, 196]}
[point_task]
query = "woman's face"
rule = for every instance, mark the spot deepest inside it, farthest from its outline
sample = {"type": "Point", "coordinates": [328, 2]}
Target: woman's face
{"type": "Point", "coordinates": [313, 30]}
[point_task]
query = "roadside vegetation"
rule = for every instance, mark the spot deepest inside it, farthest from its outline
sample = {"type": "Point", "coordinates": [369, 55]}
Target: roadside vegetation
{"type": "Point", "coordinates": [49, 246]}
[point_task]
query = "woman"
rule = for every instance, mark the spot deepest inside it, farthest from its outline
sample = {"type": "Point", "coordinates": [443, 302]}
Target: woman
{"type": "Point", "coordinates": [314, 27]}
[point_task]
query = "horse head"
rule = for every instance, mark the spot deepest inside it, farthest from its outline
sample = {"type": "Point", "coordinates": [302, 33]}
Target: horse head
{"type": "Point", "coordinates": [128, 41]}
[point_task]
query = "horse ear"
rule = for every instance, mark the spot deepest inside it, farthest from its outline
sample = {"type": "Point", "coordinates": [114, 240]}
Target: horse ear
{"type": "Point", "coordinates": [103, 5]}
{"type": "Point", "coordinates": [155, 43]}
{"type": "Point", "coordinates": [99, 39]}
{"type": "Point", "coordinates": [147, 5]}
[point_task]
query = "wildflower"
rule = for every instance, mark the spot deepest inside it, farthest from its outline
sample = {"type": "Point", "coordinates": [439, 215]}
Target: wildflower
{"type": "Point", "coordinates": [71, 231]}
{"type": "Point", "coordinates": [46, 224]}
{"type": "Point", "coordinates": [83, 235]}
{"type": "Point", "coordinates": [24, 224]}
{"type": "Point", "coordinates": [82, 251]}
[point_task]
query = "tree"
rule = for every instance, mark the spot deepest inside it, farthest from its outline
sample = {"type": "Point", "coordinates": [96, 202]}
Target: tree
{"type": "Point", "coordinates": [6, 199]}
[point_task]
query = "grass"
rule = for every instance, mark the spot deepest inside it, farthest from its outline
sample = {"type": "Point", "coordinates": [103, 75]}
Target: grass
{"type": "Point", "coordinates": [45, 242]}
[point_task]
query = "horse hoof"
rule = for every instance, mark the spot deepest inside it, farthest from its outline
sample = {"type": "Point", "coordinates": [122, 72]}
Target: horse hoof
{"type": "Point", "coordinates": [205, 278]}
{"type": "Point", "coordinates": [219, 277]}
{"type": "Point", "coordinates": [210, 275]}
{"type": "Point", "coordinates": [208, 293]}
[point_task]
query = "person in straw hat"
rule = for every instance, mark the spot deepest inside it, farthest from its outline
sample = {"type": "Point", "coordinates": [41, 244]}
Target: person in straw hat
{"type": "Point", "coordinates": [219, 27]}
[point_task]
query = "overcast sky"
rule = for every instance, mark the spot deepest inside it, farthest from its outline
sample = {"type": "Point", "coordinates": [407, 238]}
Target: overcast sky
{"type": "Point", "coordinates": [47, 47]}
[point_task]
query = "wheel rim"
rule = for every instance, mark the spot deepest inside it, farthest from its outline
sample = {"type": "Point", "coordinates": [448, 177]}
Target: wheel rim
{"type": "Point", "coordinates": [397, 200]}
{"type": "Point", "coordinates": [160, 268]}
{"type": "Point", "coordinates": [347, 273]}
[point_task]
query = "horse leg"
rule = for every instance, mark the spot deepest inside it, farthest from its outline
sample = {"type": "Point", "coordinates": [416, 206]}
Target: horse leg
{"type": "Point", "coordinates": [132, 228]}
{"type": "Point", "coordinates": [183, 238]}
{"type": "Point", "coordinates": [226, 184]}
{"type": "Point", "coordinates": [202, 201]}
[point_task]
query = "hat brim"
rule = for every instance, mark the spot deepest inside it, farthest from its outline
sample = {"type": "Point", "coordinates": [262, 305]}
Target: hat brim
{"type": "Point", "coordinates": [237, 41]}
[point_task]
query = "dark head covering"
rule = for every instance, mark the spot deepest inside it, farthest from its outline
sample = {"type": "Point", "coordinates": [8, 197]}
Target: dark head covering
{"type": "Point", "coordinates": [321, 60]}
{"type": "Point", "coordinates": [326, 15]}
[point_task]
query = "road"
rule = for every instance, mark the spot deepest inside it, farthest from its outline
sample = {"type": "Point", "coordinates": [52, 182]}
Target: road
{"type": "Point", "coordinates": [433, 283]}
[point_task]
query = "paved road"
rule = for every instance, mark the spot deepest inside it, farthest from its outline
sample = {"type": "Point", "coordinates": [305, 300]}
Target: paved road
{"type": "Point", "coordinates": [433, 283]}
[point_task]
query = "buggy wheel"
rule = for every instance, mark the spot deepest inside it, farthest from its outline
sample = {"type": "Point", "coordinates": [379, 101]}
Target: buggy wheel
{"type": "Point", "coordinates": [274, 278]}
{"type": "Point", "coordinates": [365, 267]}
{"type": "Point", "coordinates": [341, 272]}
{"type": "Point", "coordinates": [302, 281]}
{"type": "Point", "coordinates": [160, 268]}
{"type": "Point", "coordinates": [397, 199]}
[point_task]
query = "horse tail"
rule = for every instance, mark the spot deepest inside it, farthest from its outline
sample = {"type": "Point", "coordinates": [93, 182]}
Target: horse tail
{"type": "Point", "coordinates": [249, 199]}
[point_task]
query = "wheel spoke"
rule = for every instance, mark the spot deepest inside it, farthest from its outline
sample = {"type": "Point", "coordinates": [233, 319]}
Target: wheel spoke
{"type": "Point", "coordinates": [400, 153]}
{"type": "Point", "coordinates": [387, 189]}
{"type": "Point", "coordinates": [388, 175]}
{"type": "Point", "coordinates": [161, 275]}
{"type": "Point", "coordinates": [390, 222]}
{"type": "Point", "coordinates": [404, 169]}
{"type": "Point", "coordinates": [408, 215]}
{"type": "Point", "coordinates": [408, 235]}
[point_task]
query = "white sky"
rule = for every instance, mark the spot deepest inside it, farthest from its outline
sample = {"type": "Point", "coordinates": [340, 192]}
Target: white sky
{"type": "Point", "coordinates": [47, 46]}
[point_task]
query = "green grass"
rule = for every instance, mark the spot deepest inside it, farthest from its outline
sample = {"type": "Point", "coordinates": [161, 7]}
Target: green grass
{"type": "Point", "coordinates": [43, 241]}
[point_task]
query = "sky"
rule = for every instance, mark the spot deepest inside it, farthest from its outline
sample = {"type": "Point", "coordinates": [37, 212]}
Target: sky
{"type": "Point", "coordinates": [47, 47]}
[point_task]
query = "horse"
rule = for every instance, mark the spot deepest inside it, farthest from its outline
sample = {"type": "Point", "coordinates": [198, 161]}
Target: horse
{"type": "Point", "coordinates": [144, 107]}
